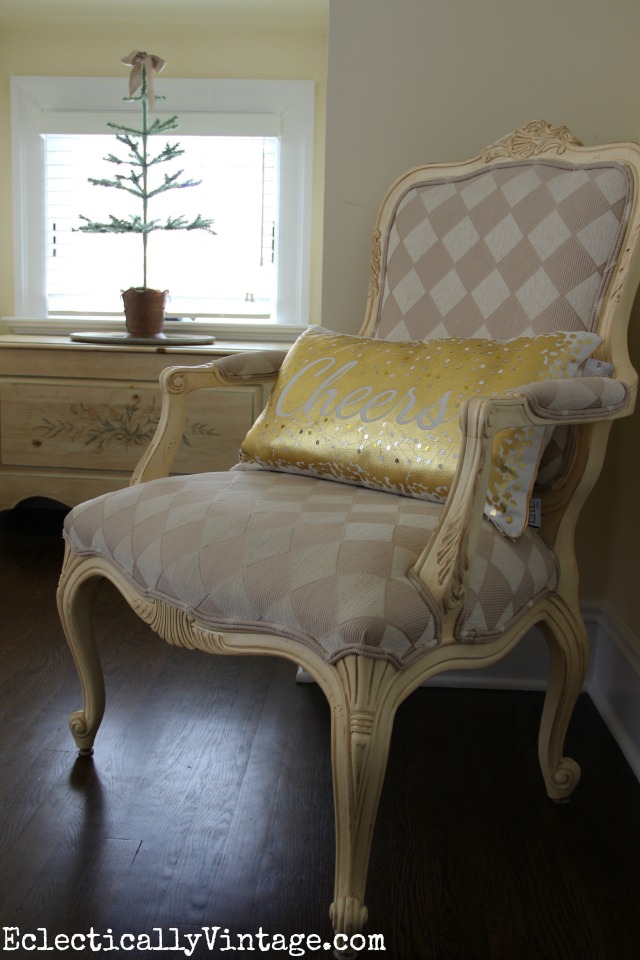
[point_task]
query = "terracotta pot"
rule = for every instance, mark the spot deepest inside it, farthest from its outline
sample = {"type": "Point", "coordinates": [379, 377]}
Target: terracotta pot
{"type": "Point", "coordinates": [144, 312]}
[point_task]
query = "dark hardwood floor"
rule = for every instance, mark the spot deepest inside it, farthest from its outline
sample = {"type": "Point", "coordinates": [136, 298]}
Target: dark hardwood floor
{"type": "Point", "coordinates": [208, 802]}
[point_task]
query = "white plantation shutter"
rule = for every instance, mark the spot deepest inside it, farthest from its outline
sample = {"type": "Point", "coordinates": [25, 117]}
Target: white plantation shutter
{"type": "Point", "coordinates": [231, 273]}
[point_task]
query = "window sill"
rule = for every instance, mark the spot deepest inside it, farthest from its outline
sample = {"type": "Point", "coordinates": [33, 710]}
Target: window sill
{"type": "Point", "coordinates": [225, 330]}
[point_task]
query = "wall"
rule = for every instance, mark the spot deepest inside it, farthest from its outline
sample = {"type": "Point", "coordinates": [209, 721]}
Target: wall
{"type": "Point", "coordinates": [411, 81]}
{"type": "Point", "coordinates": [624, 542]}
{"type": "Point", "coordinates": [96, 48]}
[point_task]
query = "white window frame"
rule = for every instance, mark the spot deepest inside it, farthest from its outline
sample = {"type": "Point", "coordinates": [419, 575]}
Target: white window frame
{"type": "Point", "coordinates": [41, 105]}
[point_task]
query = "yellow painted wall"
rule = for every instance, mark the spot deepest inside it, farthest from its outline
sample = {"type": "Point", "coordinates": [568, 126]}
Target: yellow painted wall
{"type": "Point", "coordinates": [412, 81]}
{"type": "Point", "coordinates": [207, 51]}
{"type": "Point", "coordinates": [622, 493]}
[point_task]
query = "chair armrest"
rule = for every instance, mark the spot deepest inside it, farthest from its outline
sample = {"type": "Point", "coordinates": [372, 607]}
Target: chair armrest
{"type": "Point", "coordinates": [575, 400]}
{"type": "Point", "coordinates": [176, 383]}
{"type": "Point", "coordinates": [444, 564]}
{"type": "Point", "coordinates": [258, 366]}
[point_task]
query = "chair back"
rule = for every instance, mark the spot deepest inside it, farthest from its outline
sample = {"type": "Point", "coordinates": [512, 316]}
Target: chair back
{"type": "Point", "coordinates": [537, 234]}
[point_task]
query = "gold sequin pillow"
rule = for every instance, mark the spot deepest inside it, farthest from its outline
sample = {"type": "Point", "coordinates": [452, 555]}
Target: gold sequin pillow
{"type": "Point", "coordinates": [385, 415]}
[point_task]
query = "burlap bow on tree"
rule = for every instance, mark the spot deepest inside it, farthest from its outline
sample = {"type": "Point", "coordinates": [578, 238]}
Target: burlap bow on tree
{"type": "Point", "coordinates": [151, 62]}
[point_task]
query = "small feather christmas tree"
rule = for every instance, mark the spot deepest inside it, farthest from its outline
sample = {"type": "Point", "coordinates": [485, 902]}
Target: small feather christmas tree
{"type": "Point", "coordinates": [140, 165]}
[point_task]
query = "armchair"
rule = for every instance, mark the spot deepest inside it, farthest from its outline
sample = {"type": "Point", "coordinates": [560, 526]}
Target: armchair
{"type": "Point", "coordinates": [375, 530]}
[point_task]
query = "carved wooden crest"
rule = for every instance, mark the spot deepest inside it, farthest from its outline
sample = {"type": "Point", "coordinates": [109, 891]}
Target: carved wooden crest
{"type": "Point", "coordinates": [534, 138]}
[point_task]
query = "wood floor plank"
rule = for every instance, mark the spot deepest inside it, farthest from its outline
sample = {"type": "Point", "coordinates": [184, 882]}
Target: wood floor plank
{"type": "Point", "coordinates": [248, 851]}
{"type": "Point", "coordinates": [200, 773]}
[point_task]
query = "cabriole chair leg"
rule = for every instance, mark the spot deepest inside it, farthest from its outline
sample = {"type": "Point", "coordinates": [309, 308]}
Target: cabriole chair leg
{"type": "Point", "coordinates": [568, 645]}
{"type": "Point", "coordinates": [76, 593]}
{"type": "Point", "coordinates": [362, 720]}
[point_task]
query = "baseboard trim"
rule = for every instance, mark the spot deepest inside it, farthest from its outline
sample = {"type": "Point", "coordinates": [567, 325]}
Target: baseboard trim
{"type": "Point", "coordinates": [526, 667]}
{"type": "Point", "coordinates": [615, 678]}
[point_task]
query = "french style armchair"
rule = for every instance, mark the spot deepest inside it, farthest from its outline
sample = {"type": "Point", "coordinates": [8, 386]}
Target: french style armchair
{"type": "Point", "coordinates": [376, 529]}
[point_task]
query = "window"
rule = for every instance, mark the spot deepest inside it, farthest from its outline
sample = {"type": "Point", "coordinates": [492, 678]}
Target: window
{"type": "Point", "coordinates": [249, 142]}
{"type": "Point", "coordinates": [227, 274]}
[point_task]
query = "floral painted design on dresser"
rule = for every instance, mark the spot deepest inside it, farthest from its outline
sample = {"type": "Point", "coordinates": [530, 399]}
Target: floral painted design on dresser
{"type": "Point", "coordinates": [97, 426]}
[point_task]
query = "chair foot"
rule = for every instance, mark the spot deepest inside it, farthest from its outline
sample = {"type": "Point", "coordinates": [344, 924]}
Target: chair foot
{"type": "Point", "coordinates": [83, 732]}
{"type": "Point", "coordinates": [348, 916]}
{"type": "Point", "coordinates": [562, 780]}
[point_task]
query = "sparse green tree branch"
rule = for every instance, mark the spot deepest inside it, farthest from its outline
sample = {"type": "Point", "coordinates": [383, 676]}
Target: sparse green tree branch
{"type": "Point", "coordinates": [120, 183]}
{"type": "Point", "coordinates": [136, 182]}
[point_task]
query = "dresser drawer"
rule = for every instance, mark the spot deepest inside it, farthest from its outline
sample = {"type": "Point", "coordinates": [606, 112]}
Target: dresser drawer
{"type": "Point", "coordinates": [106, 427]}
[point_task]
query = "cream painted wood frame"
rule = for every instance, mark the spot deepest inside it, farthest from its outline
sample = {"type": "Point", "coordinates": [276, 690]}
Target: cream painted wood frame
{"type": "Point", "coordinates": [365, 693]}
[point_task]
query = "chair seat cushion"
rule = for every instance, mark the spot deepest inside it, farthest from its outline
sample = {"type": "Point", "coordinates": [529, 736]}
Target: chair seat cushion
{"type": "Point", "coordinates": [324, 563]}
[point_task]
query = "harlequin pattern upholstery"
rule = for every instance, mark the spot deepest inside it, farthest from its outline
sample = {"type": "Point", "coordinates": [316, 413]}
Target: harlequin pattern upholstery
{"type": "Point", "coordinates": [327, 564]}
{"type": "Point", "coordinates": [512, 251]}
{"type": "Point", "coordinates": [585, 394]}
{"type": "Point", "coordinates": [247, 367]}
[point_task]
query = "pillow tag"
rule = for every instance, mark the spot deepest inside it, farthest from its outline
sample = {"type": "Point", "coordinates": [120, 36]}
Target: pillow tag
{"type": "Point", "coordinates": [596, 368]}
{"type": "Point", "coordinates": [535, 512]}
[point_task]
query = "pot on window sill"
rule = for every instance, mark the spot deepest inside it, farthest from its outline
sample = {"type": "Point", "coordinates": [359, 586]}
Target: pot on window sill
{"type": "Point", "coordinates": [144, 310]}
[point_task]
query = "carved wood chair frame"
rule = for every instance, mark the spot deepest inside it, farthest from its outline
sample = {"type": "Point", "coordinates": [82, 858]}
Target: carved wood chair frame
{"type": "Point", "coordinates": [365, 693]}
